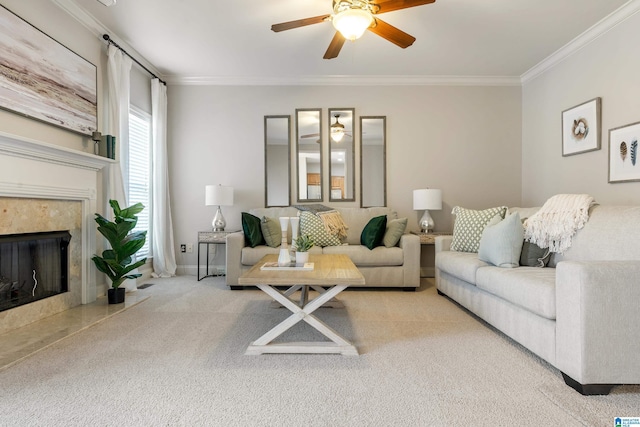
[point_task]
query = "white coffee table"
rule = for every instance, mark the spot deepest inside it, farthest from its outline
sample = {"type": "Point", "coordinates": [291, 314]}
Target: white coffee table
{"type": "Point", "coordinates": [331, 275]}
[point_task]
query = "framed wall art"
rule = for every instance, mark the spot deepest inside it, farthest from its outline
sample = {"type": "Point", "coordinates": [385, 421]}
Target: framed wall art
{"type": "Point", "coordinates": [581, 128]}
{"type": "Point", "coordinates": [624, 164]}
{"type": "Point", "coordinates": [42, 79]}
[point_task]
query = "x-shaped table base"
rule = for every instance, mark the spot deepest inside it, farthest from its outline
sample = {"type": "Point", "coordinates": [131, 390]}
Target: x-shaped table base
{"type": "Point", "coordinates": [302, 312]}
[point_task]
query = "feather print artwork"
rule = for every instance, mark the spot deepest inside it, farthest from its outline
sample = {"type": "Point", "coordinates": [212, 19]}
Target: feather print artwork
{"type": "Point", "coordinates": [634, 151]}
{"type": "Point", "coordinates": [623, 150]}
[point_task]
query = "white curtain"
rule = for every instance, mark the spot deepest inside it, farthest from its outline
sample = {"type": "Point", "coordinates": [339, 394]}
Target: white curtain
{"type": "Point", "coordinates": [164, 257]}
{"type": "Point", "coordinates": [118, 75]}
{"type": "Point", "coordinates": [119, 79]}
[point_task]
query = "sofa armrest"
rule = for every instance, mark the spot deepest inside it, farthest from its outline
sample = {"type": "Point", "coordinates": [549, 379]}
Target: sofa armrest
{"type": "Point", "coordinates": [443, 243]}
{"type": "Point", "coordinates": [597, 321]}
{"type": "Point", "coordinates": [235, 243]}
{"type": "Point", "coordinates": [410, 244]}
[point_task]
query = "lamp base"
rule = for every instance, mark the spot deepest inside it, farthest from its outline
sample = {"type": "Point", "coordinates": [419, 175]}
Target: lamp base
{"type": "Point", "coordinates": [218, 222]}
{"type": "Point", "coordinates": [426, 222]}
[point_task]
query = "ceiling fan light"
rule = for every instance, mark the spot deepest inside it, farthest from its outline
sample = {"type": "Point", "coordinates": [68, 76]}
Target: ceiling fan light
{"type": "Point", "coordinates": [352, 23]}
{"type": "Point", "coordinates": [337, 134]}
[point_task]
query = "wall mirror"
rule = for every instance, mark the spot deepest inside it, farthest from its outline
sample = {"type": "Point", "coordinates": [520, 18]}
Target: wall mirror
{"type": "Point", "coordinates": [373, 161]}
{"type": "Point", "coordinates": [341, 155]}
{"type": "Point", "coordinates": [309, 154]}
{"type": "Point", "coordinates": [277, 160]}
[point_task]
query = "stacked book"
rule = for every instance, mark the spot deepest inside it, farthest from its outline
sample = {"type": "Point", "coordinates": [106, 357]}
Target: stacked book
{"type": "Point", "coordinates": [108, 146]}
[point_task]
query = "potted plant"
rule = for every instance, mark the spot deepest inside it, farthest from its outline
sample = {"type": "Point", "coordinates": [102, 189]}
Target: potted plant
{"type": "Point", "coordinates": [116, 262]}
{"type": "Point", "coordinates": [303, 244]}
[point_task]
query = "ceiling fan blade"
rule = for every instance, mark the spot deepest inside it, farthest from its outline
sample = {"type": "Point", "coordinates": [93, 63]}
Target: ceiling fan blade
{"type": "Point", "coordinates": [298, 23]}
{"type": "Point", "coordinates": [391, 5]}
{"type": "Point", "coordinates": [334, 47]}
{"type": "Point", "coordinates": [310, 135]}
{"type": "Point", "coordinates": [391, 33]}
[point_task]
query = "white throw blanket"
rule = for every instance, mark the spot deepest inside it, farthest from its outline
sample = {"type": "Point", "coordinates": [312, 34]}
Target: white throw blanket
{"type": "Point", "coordinates": [558, 220]}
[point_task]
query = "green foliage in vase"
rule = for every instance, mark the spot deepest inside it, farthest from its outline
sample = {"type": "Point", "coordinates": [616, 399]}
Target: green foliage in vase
{"type": "Point", "coordinates": [304, 243]}
{"type": "Point", "coordinates": [116, 262]}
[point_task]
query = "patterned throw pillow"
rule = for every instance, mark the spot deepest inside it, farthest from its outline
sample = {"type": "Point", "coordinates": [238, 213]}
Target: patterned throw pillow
{"type": "Point", "coordinates": [313, 226]}
{"type": "Point", "coordinates": [469, 225]}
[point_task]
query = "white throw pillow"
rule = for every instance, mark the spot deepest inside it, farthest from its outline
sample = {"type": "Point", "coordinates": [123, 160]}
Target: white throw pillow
{"type": "Point", "coordinates": [501, 243]}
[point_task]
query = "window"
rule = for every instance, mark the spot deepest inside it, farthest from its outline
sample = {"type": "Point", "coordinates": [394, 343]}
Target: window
{"type": "Point", "coordinates": [140, 171]}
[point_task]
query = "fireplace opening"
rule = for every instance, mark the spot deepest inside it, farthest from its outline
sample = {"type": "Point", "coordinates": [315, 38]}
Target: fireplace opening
{"type": "Point", "coordinates": [33, 266]}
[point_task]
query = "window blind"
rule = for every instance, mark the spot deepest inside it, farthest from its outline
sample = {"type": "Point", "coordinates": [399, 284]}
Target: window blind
{"type": "Point", "coordinates": [140, 172]}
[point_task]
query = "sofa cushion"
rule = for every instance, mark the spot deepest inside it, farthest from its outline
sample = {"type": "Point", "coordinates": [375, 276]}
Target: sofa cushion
{"type": "Point", "coordinates": [361, 256]}
{"type": "Point", "coordinates": [531, 288]}
{"type": "Point", "coordinates": [373, 232]}
{"type": "Point", "coordinates": [271, 231]}
{"type": "Point", "coordinates": [501, 244]}
{"type": "Point", "coordinates": [395, 230]}
{"type": "Point", "coordinates": [252, 231]}
{"type": "Point", "coordinates": [357, 218]}
{"type": "Point", "coordinates": [462, 265]}
{"type": "Point", "coordinates": [468, 227]}
{"type": "Point", "coordinates": [312, 225]}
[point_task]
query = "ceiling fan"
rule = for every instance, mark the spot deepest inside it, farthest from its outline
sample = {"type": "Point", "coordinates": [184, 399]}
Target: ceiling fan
{"type": "Point", "coordinates": [337, 131]}
{"type": "Point", "coordinates": [351, 18]}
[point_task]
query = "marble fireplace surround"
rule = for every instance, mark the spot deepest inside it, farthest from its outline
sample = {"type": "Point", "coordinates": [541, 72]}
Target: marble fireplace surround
{"type": "Point", "coordinates": [47, 186]}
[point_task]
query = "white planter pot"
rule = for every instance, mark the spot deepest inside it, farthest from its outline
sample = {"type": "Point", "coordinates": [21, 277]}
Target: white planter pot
{"type": "Point", "coordinates": [302, 257]}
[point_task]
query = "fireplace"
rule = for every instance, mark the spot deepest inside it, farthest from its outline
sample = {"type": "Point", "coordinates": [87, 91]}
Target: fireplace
{"type": "Point", "coordinates": [33, 266]}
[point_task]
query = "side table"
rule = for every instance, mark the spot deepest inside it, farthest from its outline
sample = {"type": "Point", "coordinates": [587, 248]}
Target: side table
{"type": "Point", "coordinates": [429, 239]}
{"type": "Point", "coordinates": [211, 238]}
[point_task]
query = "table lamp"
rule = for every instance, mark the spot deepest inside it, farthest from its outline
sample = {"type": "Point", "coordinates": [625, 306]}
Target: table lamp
{"type": "Point", "coordinates": [219, 195]}
{"type": "Point", "coordinates": [427, 199]}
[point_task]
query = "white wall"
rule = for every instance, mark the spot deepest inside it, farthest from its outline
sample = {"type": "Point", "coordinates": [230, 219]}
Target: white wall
{"type": "Point", "coordinates": [606, 68]}
{"type": "Point", "coordinates": [463, 140]}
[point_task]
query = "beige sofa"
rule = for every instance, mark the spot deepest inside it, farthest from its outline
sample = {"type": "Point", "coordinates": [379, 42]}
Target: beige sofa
{"type": "Point", "coordinates": [397, 266]}
{"type": "Point", "coordinates": [580, 313]}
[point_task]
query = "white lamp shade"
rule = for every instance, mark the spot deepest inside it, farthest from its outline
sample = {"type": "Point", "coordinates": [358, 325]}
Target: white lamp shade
{"type": "Point", "coordinates": [427, 198]}
{"type": "Point", "coordinates": [219, 195]}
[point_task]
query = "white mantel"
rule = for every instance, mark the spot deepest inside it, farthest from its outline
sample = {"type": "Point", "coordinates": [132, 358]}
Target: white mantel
{"type": "Point", "coordinates": [38, 170]}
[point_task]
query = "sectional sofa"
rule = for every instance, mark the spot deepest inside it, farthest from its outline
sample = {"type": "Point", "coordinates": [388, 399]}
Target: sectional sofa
{"type": "Point", "coordinates": [580, 313]}
{"type": "Point", "coordinates": [396, 266]}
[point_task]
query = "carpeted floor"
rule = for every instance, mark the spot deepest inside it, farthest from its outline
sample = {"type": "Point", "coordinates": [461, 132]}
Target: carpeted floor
{"type": "Point", "coordinates": [178, 359]}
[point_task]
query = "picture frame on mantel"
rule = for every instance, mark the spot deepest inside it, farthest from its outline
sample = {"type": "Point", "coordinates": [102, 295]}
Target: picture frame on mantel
{"type": "Point", "coordinates": [44, 80]}
{"type": "Point", "coordinates": [624, 158]}
{"type": "Point", "coordinates": [581, 128]}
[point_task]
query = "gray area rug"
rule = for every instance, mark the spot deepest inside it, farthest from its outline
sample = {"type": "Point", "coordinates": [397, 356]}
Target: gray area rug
{"type": "Point", "coordinates": [178, 359]}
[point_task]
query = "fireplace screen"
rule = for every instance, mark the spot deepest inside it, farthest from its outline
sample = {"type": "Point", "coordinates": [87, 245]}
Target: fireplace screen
{"type": "Point", "coordinates": [33, 266]}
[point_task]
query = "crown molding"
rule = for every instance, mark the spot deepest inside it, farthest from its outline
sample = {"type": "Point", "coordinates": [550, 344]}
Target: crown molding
{"type": "Point", "coordinates": [345, 80]}
{"type": "Point", "coordinates": [98, 29]}
{"type": "Point", "coordinates": [598, 29]}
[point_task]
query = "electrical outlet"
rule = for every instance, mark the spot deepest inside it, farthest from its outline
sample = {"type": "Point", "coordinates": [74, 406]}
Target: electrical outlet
{"type": "Point", "coordinates": [190, 248]}
{"type": "Point", "coordinates": [183, 248]}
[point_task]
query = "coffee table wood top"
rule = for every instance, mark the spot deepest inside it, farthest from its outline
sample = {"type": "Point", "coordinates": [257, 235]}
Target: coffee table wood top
{"type": "Point", "coordinates": [329, 269]}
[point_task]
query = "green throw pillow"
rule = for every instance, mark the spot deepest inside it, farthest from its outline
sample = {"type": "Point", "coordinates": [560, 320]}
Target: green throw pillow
{"type": "Point", "coordinates": [252, 232]}
{"type": "Point", "coordinates": [501, 243]}
{"type": "Point", "coordinates": [469, 225]}
{"type": "Point", "coordinates": [373, 232]}
{"type": "Point", "coordinates": [395, 230]}
{"type": "Point", "coordinates": [271, 231]}
{"type": "Point", "coordinates": [312, 225]}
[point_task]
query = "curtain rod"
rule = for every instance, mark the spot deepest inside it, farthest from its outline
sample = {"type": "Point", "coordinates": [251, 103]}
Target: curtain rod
{"type": "Point", "coordinates": [110, 40]}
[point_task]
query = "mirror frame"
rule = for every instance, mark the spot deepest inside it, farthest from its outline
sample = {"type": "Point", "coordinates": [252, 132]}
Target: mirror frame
{"type": "Point", "coordinates": [297, 154]}
{"type": "Point", "coordinates": [384, 159]}
{"type": "Point", "coordinates": [351, 181]}
{"type": "Point", "coordinates": [266, 160]}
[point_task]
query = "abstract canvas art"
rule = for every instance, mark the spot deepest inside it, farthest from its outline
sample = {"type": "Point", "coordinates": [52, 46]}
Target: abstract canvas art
{"type": "Point", "coordinates": [581, 128]}
{"type": "Point", "coordinates": [42, 79]}
{"type": "Point", "coordinates": [624, 163]}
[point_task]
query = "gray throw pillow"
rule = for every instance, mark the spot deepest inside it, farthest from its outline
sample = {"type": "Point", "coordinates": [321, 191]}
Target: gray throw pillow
{"type": "Point", "coordinates": [468, 227]}
{"type": "Point", "coordinates": [534, 256]}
